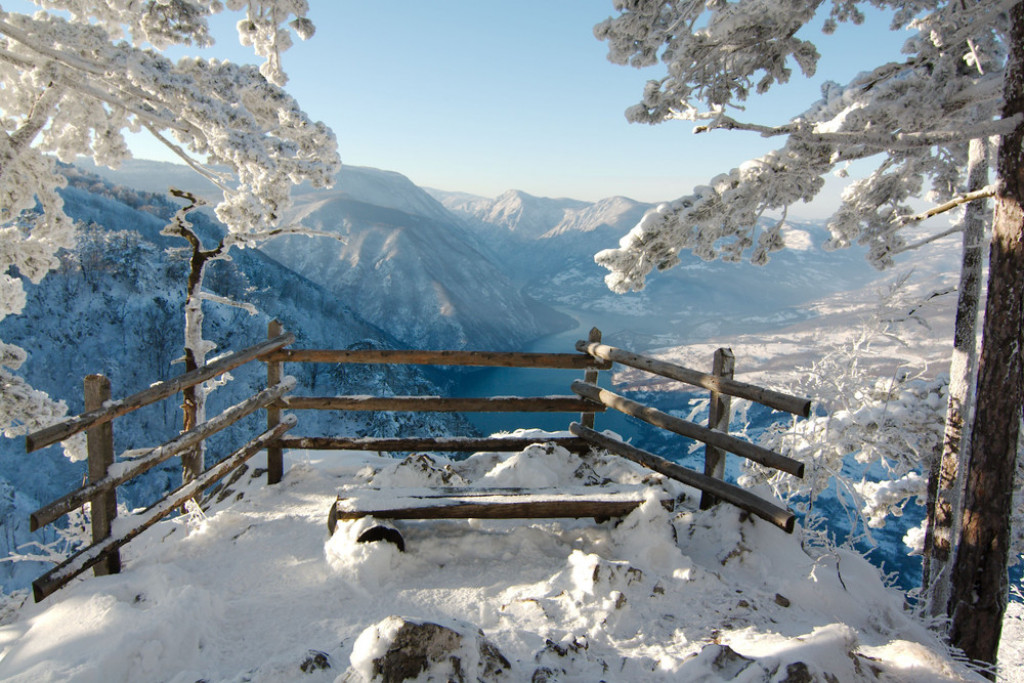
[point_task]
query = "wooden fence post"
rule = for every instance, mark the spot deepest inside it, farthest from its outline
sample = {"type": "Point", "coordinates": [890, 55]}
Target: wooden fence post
{"type": "Point", "coordinates": [275, 459]}
{"type": "Point", "coordinates": [590, 377]}
{"type": "Point", "coordinates": [100, 449]}
{"type": "Point", "coordinates": [718, 419]}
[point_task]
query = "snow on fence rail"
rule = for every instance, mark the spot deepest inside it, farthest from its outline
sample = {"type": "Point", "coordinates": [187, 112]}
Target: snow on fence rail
{"type": "Point", "coordinates": [715, 382]}
{"type": "Point", "coordinates": [109, 410]}
{"type": "Point", "coordinates": [588, 399]}
{"type": "Point", "coordinates": [60, 575]}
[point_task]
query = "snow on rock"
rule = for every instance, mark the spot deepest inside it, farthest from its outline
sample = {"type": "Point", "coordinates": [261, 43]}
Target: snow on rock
{"type": "Point", "coordinates": [398, 649]}
{"type": "Point", "coordinates": [257, 591]}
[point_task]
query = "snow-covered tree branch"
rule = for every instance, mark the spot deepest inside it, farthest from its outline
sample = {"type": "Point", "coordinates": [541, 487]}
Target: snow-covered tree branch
{"type": "Point", "coordinates": [79, 73]}
{"type": "Point", "coordinates": [915, 115]}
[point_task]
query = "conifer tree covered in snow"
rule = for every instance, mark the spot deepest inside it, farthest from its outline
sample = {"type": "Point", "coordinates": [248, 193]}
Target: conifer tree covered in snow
{"type": "Point", "coordinates": [916, 117]}
{"type": "Point", "coordinates": [80, 73]}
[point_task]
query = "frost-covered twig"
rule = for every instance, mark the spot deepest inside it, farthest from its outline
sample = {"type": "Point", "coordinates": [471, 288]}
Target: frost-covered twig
{"type": "Point", "coordinates": [894, 423]}
{"type": "Point", "coordinates": [916, 116]}
{"type": "Point", "coordinates": [76, 75]}
{"type": "Point", "coordinates": [244, 305]}
{"type": "Point", "coordinates": [966, 198]}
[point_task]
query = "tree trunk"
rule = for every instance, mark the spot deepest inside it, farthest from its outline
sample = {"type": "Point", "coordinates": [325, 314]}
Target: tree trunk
{"type": "Point", "coordinates": [979, 593]}
{"type": "Point", "coordinates": [945, 481]}
{"type": "Point", "coordinates": [193, 405]}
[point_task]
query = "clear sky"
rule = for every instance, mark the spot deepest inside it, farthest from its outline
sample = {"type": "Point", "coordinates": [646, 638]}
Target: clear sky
{"type": "Point", "coordinates": [483, 96]}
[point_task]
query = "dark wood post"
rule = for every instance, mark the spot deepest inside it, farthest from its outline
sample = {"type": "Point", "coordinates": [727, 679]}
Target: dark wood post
{"type": "Point", "coordinates": [100, 449]}
{"type": "Point", "coordinates": [275, 459]}
{"type": "Point", "coordinates": [718, 419]}
{"type": "Point", "coordinates": [590, 377]}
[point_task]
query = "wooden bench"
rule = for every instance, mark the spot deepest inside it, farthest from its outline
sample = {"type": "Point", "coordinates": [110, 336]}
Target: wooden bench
{"type": "Point", "coordinates": [449, 502]}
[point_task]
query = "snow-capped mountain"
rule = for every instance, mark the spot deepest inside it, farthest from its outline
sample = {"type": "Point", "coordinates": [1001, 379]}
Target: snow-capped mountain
{"type": "Point", "coordinates": [399, 258]}
{"type": "Point", "coordinates": [374, 186]}
{"type": "Point", "coordinates": [550, 244]}
{"type": "Point", "coordinates": [414, 270]}
{"type": "Point", "coordinates": [523, 214]}
{"type": "Point", "coordinates": [526, 217]}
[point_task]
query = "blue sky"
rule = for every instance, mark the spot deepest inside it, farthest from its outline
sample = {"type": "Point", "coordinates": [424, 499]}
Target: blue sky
{"type": "Point", "coordinates": [482, 96]}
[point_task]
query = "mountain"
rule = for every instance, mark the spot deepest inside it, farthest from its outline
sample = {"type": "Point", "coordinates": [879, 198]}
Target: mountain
{"type": "Point", "coordinates": [373, 186]}
{"type": "Point", "coordinates": [526, 217]}
{"type": "Point", "coordinates": [549, 245]}
{"type": "Point", "coordinates": [115, 306]}
{"type": "Point", "coordinates": [155, 177]}
{"type": "Point", "coordinates": [437, 268]}
{"type": "Point", "coordinates": [409, 266]}
{"type": "Point", "coordinates": [398, 257]}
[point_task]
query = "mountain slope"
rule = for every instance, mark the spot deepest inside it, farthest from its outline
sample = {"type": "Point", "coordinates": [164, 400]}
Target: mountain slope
{"type": "Point", "coordinates": [525, 217]}
{"type": "Point", "coordinates": [421, 278]}
{"type": "Point", "coordinates": [406, 263]}
{"type": "Point", "coordinates": [256, 592]}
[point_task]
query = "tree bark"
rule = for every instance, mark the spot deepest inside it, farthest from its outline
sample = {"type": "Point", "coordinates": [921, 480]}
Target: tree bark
{"type": "Point", "coordinates": [945, 481]}
{"type": "Point", "coordinates": [980, 581]}
{"type": "Point", "coordinates": [193, 404]}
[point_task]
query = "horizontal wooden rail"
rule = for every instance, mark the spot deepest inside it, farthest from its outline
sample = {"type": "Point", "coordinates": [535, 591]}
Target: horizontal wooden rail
{"type": "Point", "coordinates": [79, 562]}
{"type": "Point", "coordinates": [689, 429]}
{"type": "Point", "coordinates": [438, 404]}
{"type": "Point", "coordinates": [123, 471]}
{"type": "Point", "coordinates": [772, 399]}
{"type": "Point", "coordinates": [442, 443]}
{"type": "Point", "coordinates": [741, 498]}
{"type": "Point", "coordinates": [62, 430]}
{"type": "Point", "coordinates": [508, 359]}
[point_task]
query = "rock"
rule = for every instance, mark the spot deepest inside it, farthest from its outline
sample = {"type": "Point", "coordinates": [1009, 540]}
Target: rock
{"type": "Point", "coordinates": [315, 659]}
{"type": "Point", "coordinates": [798, 672]}
{"type": "Point", "coordinates": [398, 649]}
{"type": "Point", "coordinates": [726, 662]}
{"type": "Point", "coordinates": [569, 660]}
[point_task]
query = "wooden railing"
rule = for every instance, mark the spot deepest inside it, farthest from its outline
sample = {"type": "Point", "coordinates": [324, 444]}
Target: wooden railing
{"type": "Point", "coordinates": [490, 404]}
{"type": "Point", "coordinates": [715, 436]}
{"type": "Point", "coordinates": [105, 475]}
{"type": "Point", "coordinates": [587, 398]}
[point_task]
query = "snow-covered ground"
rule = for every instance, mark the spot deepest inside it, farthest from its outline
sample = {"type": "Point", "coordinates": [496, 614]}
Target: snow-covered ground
{"type": "Point", "coordinates": [257, 591]}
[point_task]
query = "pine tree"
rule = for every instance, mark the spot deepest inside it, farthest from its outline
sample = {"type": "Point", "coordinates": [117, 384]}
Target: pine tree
{"type": "Point", "coordinates": [917, 117]}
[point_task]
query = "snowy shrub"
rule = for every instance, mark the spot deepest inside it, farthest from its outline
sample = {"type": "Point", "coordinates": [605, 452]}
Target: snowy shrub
{"type": "Point", "coordinates": [890, 426]}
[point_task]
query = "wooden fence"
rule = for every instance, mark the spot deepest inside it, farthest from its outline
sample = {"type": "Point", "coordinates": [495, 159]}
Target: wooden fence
{"type": "Point", "coordinates": [105, 475]}
{"type": "Point", "coordinates": [587, 399]}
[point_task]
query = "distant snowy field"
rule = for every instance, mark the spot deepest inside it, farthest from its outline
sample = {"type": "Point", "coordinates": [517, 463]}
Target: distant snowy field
{"type": "Point", "coordinates": [256, 590]}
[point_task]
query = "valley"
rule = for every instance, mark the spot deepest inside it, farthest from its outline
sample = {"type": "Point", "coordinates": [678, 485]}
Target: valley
{"type": "Point", "coordinates": [406, 267]}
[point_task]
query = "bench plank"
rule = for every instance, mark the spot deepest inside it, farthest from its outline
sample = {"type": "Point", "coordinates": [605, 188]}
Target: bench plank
{"type": "Point", "coordinates": [501, 503]}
